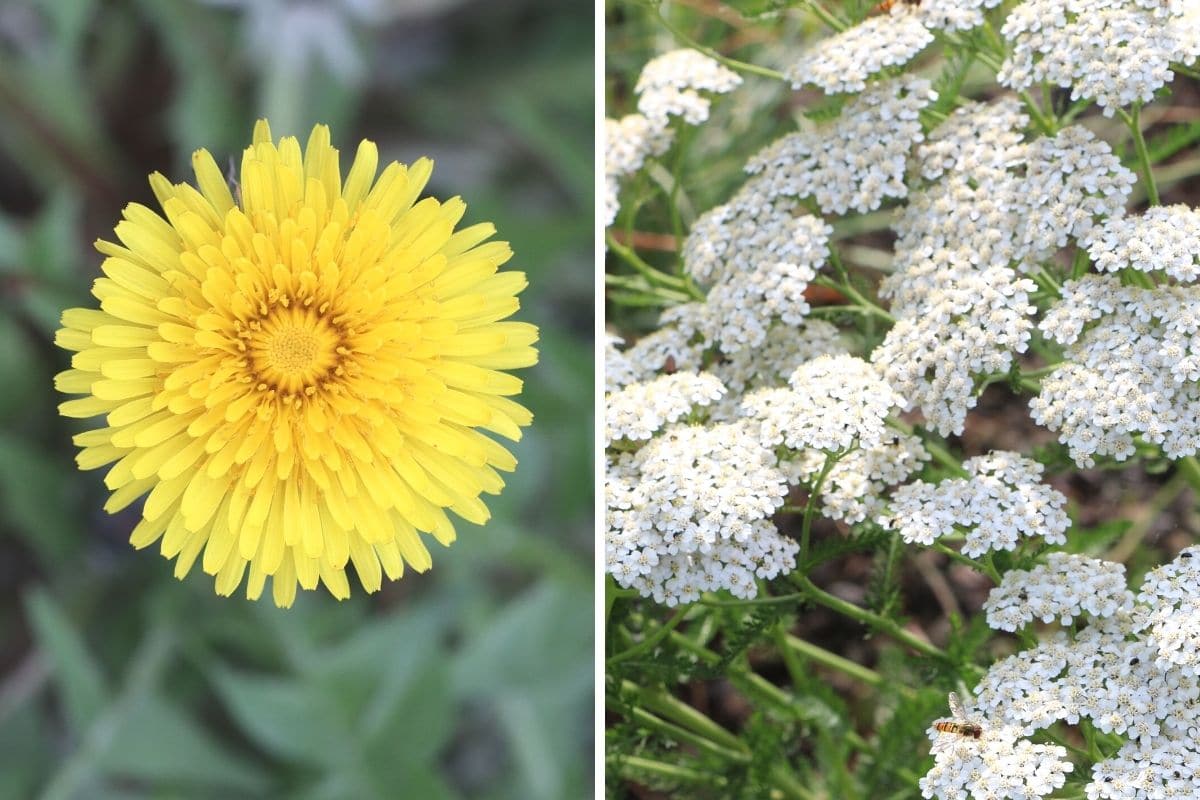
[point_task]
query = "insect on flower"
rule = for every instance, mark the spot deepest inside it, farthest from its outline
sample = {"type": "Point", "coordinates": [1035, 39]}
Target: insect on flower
{"type": "Point", "coordinates": [961, 725]}
{"type": "Point", "coordinates": [886, 6]}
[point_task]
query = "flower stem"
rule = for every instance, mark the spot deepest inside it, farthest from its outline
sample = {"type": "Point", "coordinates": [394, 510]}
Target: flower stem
{"type": "Point", "coordinates": [979, 566]}
{"type": "Point", "coordinates": [663, 769]}
{"type": "Point", "coordinates": [1134, 123]}
{"type": "Point", "coordinates": [869, 618]}
{"type": "Point", "coordinates": [732, 63]}
{"type": "Point", "coordinates": [654, 276]}
{"type": "Point", "coordinates": [833, 661]}
{"type": "Point", "coordinates": [810, 507]}
{"type": "Point", "coordinates": [650, 641]}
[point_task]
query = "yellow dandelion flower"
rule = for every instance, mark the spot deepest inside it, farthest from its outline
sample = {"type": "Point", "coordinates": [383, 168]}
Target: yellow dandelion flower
{"type": "Point", "coordinates": [299, 377]}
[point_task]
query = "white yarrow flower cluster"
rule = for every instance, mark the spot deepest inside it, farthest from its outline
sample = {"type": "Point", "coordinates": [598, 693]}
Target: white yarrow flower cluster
{"type": "Point", "coordinates": [1173, 593]}
{"type": "Point", "coordinates": [844, 62]}
{"type": "Point", "coordinates": [628, 142]}
{"type": "Point", "coordinates": [1115, 52]}
{"type": "Point", "coordinates": [954, 15]}
{"type": "Point", "coordinates": [690, 513]}
{"type": "Point", "coordinates": [1131, 672]}
{"type": "Point", "coordinates": [976, 136]}
{"type": "Point", "coordinates": [1063, 588]}
{"type": "Point", "coordinates": [1002, 502]}
{"type": "Point", "coordinates": [671, 84]}
{"type": "Point", "coordinates": [854, 161]}
{"type": "Point", "coordinates": [855, 489]}
{"type": "Point", "coordinates": [756, 256]}
{"type": "Point", "coordinates": [1133, 370]}
{"type": "Point", "coordinates": [637, 411]}
{"type": "Point", "coordinates": [999, 765]}
{"type": "Point", "coordinates": [1165, 238]}
{"type": "Point", "coordinates": [834, 403]}
{"type": "Point", "coordinates": [961, 309]}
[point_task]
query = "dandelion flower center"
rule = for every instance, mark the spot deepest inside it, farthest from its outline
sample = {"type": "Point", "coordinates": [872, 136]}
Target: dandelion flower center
{"type": "Point", "coordinates": [292, 351]}
{"type": "Point", "coordinates": [301, 378]}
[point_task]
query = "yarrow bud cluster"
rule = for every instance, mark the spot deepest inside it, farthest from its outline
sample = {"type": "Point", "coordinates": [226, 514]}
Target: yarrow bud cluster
{"type": "Point", "coordinates": [757, 257]}
{"type": "Point", "coordinates": [1001, 503]}
{"type": "Point", "coordinates": [961, 309]}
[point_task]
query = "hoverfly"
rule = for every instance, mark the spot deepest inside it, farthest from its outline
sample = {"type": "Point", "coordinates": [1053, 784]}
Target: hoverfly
{"type": "Point", "coordinates": [885, 6]}
{"type": "Point", "coordinates": [961, 725]}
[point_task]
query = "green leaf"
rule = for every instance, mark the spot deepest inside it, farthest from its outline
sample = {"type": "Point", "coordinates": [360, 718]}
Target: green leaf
{"type": "Point", "coordinates": [534, 658]}
{"type": "Point", "coordinates": [37, 497]}
{"type": "Point", "coordinates": [159, 743]}
{"type": "Point", "coordinates": [285, 718]}
{"type": "Point", "coordinates": [77, 674]}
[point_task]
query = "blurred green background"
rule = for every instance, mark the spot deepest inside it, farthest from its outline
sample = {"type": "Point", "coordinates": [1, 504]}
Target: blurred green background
{"type": "Point", "coordinates": [116, 681]}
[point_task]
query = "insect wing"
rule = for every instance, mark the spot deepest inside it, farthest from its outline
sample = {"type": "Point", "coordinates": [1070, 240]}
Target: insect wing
{"type": "Point", "coordinates": [956, 708]}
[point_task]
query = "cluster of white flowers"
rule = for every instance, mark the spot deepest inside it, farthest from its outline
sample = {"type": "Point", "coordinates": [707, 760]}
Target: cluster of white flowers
{"type": "Point", "coordinates": [844, 62]}
{"type": "Point", "coordinates": [628, 142]}
{"type": "Point", "coordinates": [1173, 594]}
{"type": "Point", "coordinates": [638, 410]}
{"type": "Point", "coordinates": [1165, 238]}
{"type": "Point", "coordinates": [854, 489]}
{"type": "Point", "coordinates": [1133, 369]}
{"type": "Point", "coordinates": [1064, 587]}
{"type": "Point", "coordinates": [954, 15]}
{"type": "Point", "coordinates": [756, 256]}
{"type": "Point", "coordinates": [834, 403]}
{"type": "Point", "coordinates": [1115, 52]}
{"type": "Point", "coordinates": [774, 360]}
{"type": "Point", "coordinates": [669, 85]}
{"type": "Point", "coordinates": [1001, 502]}
{"type": "Point", "coordinates": [1131, 671]}
{"type": "Point", "coordinates": [690, 513]}
{"type": "Point", "coordinates": [975, 137]}
{"type": "Point", "coordinates": [854, 161]}
{"type": "Point", "coordinates": [962, 310]}
{"type": "Point", "coordinates": [999, 765]}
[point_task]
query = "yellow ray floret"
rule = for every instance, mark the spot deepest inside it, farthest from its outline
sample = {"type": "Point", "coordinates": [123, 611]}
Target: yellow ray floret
{"type": "Point", "coordinates": [298, 375]}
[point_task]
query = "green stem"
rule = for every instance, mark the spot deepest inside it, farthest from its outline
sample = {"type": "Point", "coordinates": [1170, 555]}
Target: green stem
{"type": "Point", "coordinates": [979, 566]}
{"type": "Point", "coordinates": [852, 293]}
{"type": "Point", "coordinates": [681, 734]}
{"type": "Point", "coordinates": [1182, 70]}
{"type": "Point", "coordinates": [825, 16]}
{"type": "Point", "coordinates": [1134, 123]}
{"type": "Point", "coordinates": [833, 661]}
{"type": "Point", "coordinates": [655, 276]}
{"type": "Point", "coordinates": [732, 63]}
{"type": "Point", "coordinates": [1035, 111]}
{"type": "Point", "coordinates": [663, 769]}
{"type": "Point", "coordinates": [681, 713]}
{"type": "Point", "coordinates": [868, 618]}
{"type": "Point", "coordinates": [939, 453]}
{"type": "Point", "coordinates": [1189, 467]}
{"type": "Point", "coordinates": [810, 507]}
{"type": "Point", "coordinates": [651, 641]}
